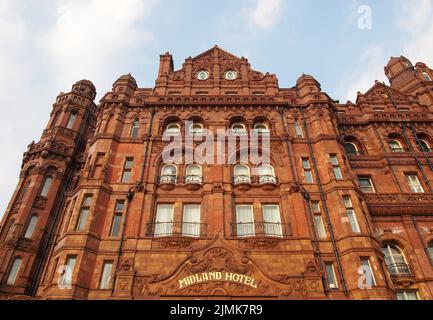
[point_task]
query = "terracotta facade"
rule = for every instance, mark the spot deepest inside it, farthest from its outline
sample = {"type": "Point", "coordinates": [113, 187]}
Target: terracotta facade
{"type": "Point", "coordinates": [351, 183]}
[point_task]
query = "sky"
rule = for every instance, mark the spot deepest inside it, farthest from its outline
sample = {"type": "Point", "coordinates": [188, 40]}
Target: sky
{"type": "Point", "coordinates": [47, 45]}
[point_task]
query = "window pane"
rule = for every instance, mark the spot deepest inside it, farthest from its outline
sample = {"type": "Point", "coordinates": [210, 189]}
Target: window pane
{"type": "Point", "coordinates": [298, 130]}
{"type": "Point", "coordinates": [306, 163]}
{"type": "Point", "coordinates": [71, 120]}
{"type": "Point", "coordinates": [241, 170]}
{"type": "Point", "coordinates": [365, 262]}
{"type": "Point", "coordinates": [106, 275]}
{"type": "Point", "coordinates": [87, 201]}
{"type": "Point", "coordinates": [126, 176]}
{"type": "Point", "coordinates": [334, 160]}
{"type": "Point", "coordinates": [46, 187]}
{"type": "Point", "coordinates": [347, 202]}
{"type": "Point", "coordinates": [353, 221]}
{"type": "Point", "coordinates": [14, 271]}
{"type": "Point", "coordinates": [119, 206]}
{"type": "Point", "coordinates": [164, 220]}
{"type": "Point", "coordinates": [191, 220]}
{"type": "Point", "coordinates": [245, 220]}
{"type": "Point", "coordinates": [66, 277]}
{"type": "Point", "coordinates": [82, 220]}
{"type": "Point", "coordinates": [31, 227]}
{"type": "Point", "coordinates": [332, 281]}
{"type": "Point", "coordinates": [272, 220]}
{"type": "Point", "coordinates": [337, 173]}
{"type": "Point", "coordinates": [309, 176]}
{"type": "Point", "coordinates": [129, 163]}
{"type": "Point", "coordinates": [320, 228]}
{"type": "Point", "coordinates": [315, 206]}
{"type": "Point", "coordinates": [117, 220]}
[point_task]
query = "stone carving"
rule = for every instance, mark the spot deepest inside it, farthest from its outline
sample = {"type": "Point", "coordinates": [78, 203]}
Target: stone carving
{"type": "Point", "coordinates": [175, 243]}
{"type": "Point", "coordinates": [125, 265]}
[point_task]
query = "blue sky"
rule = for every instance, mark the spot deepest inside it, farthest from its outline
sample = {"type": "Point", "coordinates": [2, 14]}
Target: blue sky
{"type": "Point", "coordinates": [47, 45]}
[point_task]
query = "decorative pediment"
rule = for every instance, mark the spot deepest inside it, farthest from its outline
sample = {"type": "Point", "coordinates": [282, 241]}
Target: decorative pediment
{"type": "Point", "coordinates": [220, 270]}
{"type": "Point", "coordinates": [383, 93]}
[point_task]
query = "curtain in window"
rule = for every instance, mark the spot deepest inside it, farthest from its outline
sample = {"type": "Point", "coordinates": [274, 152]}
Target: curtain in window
{"type": "Point", "coordinates": [245, 221]}
{"type": "Point", "coordinates": [191, 220]}
{"type": "Point", "coordinates": [164, 220]}
{"type": "Point", "coordinates": [272, 221]}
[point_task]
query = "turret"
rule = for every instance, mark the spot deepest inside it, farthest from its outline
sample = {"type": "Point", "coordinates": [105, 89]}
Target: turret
{"type": "Point", "coordinates": [47, 168]}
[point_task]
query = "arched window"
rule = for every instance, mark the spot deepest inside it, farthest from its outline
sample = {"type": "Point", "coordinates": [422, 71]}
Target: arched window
{"type": "Point", "coordinates": [196, 129]}
{"type": "Point", "coordinates": [13, 272]}
{"type": "Point", "coordinates": [430, 250]}
{"type": "Point", "coordinates": [395, 260]}
{"type": "Point", "coordinates": [168, 174]}
{"type": "Point", "coordinates": [172, 129]}
{"type": "Point", "coordinates": [261, 128]}
{"type": "Point", "coordinates": [242, 174]}
{"type": "Point", "coordinates": [134, 129]}
{"type": "Point", "coordinates": [239, 128]}
{"type": "Point", "coordinates": [267, 174]}
{"type": "Point", "coordinates": [71, 120]}
{"type": "Point", "coordinates": [46, 186]}
{"type": "Point", "coordinates": [424, 145]}
{"type": "Point", "coordinates": [426, 76]}
{"type": "Point", "coordinates": [31, 227]}
{"type": "Point", "coordinates": [395, 145]}
{"type": "Point", "coordinates": [193, 174]}
{"type": "Point", "coordinates": [351, 148]}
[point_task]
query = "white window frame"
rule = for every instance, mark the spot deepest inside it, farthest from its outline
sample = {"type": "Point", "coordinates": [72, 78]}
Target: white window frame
{"type": "Point", "coordinates": [191, 224]}
{"type": "Point", "coordinates": [272, 228]}
{"type": "Point", "coordinates": [334, 284]}
{"type": "Point", "coordinates": [373, 190]}
{"type": "Point", "coordinates": [164, 225]}
{"type": "Point", "coordinates": [308, 173]}
{"type": "Point", "coordinates": [106, 275]}
{"type": "Point", "coordinates": [373, 278]}
{"type": "Point", "coordinates": [250, 227]}
{"type": "Point", "coordinates": [351, 214]}
{"type": "Point", "coordinates": [414, 183]}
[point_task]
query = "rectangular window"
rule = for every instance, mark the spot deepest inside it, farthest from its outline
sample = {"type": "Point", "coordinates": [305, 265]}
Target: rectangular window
{"type": "Point", "coordinates": [368, 271]}
{"type": "Point", "coordinates": [24, 190]}
{"type": "Point", "coordinates": [318, 219]}
{"type": "Point", "coordinates": [336, 167]}
{"type": "Point", "coordinates": [97, 167]}
{"type": "Point", "coordinates": [127, 170]}
{"type": "Point", "coordinates": [134, 129]}
{"type": "Point", "coordinates": [298, 130]}
{"type": "Point", "coordinates": [330, 273]}
{"type": "Point", "coordinates": [13, 273]}
{"type": "Point", "coordinates": [106, 275]}
{"type": "Point", "coordinates": [164, 220]}
{"type": "Point", "coordinates": [71, 120]}
{"type": "Point", "coordinates": [407, 295]}
{"type": "Point", "coordinates": [66, 276]}
{"type": "Point", "coordinates": [366, 185]}
{"type": "Point", "coordinates": [414, 184]}
{"type": "Point", "coordinates": [84, 213]}
{"type": "Point", "coordinates": [31, 227]}
{"type": "Point", "coordinates": [307, 170]}
{"type": "Point", "coordinates": [46, 187]}
{"type": "Point", "coordinates": [272, 221]}
{"type": "Point", "coordinates": [245, 221]}
{"type": "Point", "coordinates": [351, 214]}
{"type": "Point", "coordinates": [117, 218]}
{"type": "Point", "coordinates": [191, 220]}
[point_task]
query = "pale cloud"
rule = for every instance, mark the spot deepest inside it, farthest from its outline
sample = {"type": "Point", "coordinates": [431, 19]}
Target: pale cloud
{"type": "Point", "coordinates": [371, 63]}
{"type": "Point", "coordinates": [48, 45]}
{"type": "Point", "coordinates": [264, 14]}
{"type": "Point", "coordinates": [416, 21]}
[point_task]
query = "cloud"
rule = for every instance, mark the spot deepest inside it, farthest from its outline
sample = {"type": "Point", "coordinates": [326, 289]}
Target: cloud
{"type": "Point", "coordinates": [371, 63]}
{"type": "Point", "coordinates": [416, 21]}
{"type": "Point", "coordinates": [264, 14]}
{"type": "Point", "coordinates": [48, 45]}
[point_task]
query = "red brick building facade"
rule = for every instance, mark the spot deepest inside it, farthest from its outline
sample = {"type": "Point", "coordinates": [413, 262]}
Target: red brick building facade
{"type": "Point", "coordinates": [97, 214]}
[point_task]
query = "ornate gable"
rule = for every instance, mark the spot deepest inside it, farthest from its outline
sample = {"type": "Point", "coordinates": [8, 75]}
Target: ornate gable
{"type": "Point", "coordinates": [382, 93]}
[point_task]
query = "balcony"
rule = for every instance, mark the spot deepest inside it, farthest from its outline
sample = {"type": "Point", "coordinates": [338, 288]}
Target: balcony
{"type": "Point", "coordinates": [269, 182]}
{"type": "Point", "coordinates": [177, 229]}
{"type": "Point", "coordinates": [193, 182]}
{"type": "Point", "coordinates": [242, 182]}
{"type": "Point", "coordinates": [260, 230]}
{"type": "Point", "coordinates": [400, 273]}
{"type": "Point", "coordinates": [396, 204]}
{"type": "Point", "coordinates": [167, 182]}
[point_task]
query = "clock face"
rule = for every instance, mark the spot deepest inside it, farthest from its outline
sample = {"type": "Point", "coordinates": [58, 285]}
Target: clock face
{"type": "Point", "coordinates": [202, 75]}
{"type": "Point", "coordinates": [231, 75]}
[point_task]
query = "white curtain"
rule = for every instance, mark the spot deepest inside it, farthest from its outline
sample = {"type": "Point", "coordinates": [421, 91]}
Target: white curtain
{"type": "Point", "coordinates": [191, 220]}
{"type": "Point", "coordinates": [193, 170]}
{"type": "Point", "coordinates": [245, 221]}
{"type": "Point", "coordinates": [169, 171]}
{"type": "Point", "coordinates": [241, 170]}
{"type": "Point", "coordinates": [272, 220]}
{"type": "Point", "coordinates": [164, 220]}
{"type": "Point", "coordinates": [266, 170]}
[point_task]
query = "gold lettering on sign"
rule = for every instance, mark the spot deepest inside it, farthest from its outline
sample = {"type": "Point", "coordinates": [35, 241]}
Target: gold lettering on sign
{"type": "Point", "coordinates": [217, 276]}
